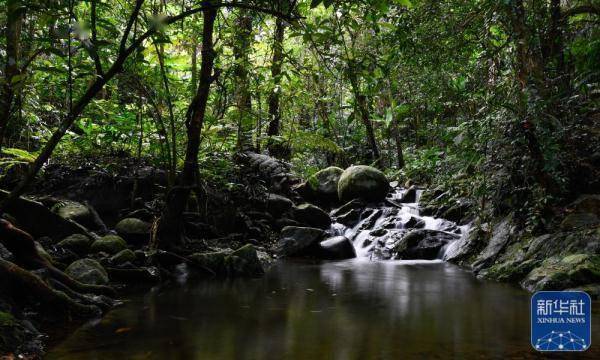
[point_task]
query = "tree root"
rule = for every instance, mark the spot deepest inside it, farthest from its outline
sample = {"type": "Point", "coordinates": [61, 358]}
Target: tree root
{"type": "Point", "coordinates": [21, 283]}
{"type": "Point", "coordinates": [22, 246]}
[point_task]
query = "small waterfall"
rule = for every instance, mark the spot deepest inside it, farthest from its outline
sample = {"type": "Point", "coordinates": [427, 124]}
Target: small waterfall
{"type": "Point", "coordinates": [393, 219]}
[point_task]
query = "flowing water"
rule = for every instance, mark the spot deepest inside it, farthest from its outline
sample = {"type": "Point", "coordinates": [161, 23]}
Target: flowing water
{"type": "Point", "coordinates": [353, 309]}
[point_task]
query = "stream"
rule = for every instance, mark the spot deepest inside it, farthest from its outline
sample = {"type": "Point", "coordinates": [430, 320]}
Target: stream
{"type": "Point", "coordinates": [363, 308]}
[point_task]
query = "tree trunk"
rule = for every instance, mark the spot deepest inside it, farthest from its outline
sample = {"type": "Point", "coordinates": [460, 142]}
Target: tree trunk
{"type": "Point", "coordinates": [242, 93]}
{"type": "Point", "coordinates": [14, 23]}
{"type": "Point", "coordinates": [170, 227]}
{"type": "Point", "coordinates": [363, 111]}
{"type": "Point", "coordinates": [165, 79]}
{"type": "Point", "coordinates": [526, 67]}
{"type": "Point", "coordinates": [398, 141]}
{"type": "Point", "coordinates": [277, 61]}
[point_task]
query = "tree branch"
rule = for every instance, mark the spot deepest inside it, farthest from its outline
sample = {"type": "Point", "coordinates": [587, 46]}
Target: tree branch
{"type": "Point", "coordinates": [583, 9]}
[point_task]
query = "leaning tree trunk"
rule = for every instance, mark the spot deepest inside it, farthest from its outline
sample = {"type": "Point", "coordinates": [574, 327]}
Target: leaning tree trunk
{"type": "Point", "coordinates": [170, 228]}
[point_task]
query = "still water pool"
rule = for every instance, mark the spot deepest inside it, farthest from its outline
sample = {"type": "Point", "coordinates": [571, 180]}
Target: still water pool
{"type": "Point", "coordinates": [353, 309]}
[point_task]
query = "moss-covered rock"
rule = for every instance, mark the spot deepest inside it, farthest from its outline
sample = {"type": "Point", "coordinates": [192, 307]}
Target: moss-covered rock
{"type": "Point", "coordinates": [363, 182]}
{"type": "Point", "coordinates": [72, 210]}
{"type": "Point", "coordinates": [241, 262]}
{"type": "Point", "coordinates": [212, 261]}
{"type": "Point", "coordinates": [558, 273]}
{"type": "Point", "coordinates": [324, 183]}
{"type": "Point", "coordinates": [88, 271]}
{"type": "Point", "coordinates": [244, 262]}
{"type": "Point", "coordinates": [78, 243]}
{"type": "Point", "coordinates": [133, 230]}
{"type": "Point", "coordinates": [122, 257]}
{"type": "Point", "coordinates": [110, 244]}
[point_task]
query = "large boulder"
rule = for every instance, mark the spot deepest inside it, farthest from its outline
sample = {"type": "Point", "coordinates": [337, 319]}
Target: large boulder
{"type": "Point", "coordinates": [133, 230]}
{"type": "Point", "coordinates": [88, 271]}
{"type": "Point", "coordinates": [337, 248]}
{"type": "Point", "coordinates": [323, 185]}
{"type": "Point", "coordinates": [72, 210]}
{"type": "Point", "coordinates": [299, 241]}
{"type": "Point", "coordinates": [311, 215]}
{"type": "Point", "coordinates": [110, 244]}
{"type": "Point", "coordinates": [422, 244]}
{"type": "Point", "coordinates": [363, 182]}
{"type": "Point", "coordinates": [78, 243]}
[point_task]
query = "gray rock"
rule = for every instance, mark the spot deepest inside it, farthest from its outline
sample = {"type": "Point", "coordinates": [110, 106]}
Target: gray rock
{"type": "Point", "coordinates": [410, 196]}
{"type": "Point", "coordinates": [277, 204]}
{"type": "Point", "coordinates": [422, 244]}
{"type": "Point", "coordinates": [501, 236]}
{"type": "Point", "coordinates": [337, 248]}
{"type": "Point", "coordinates": [363, 182]}
{"type": "Point", "coordinates": [378, 232]}
{"type": "Point", "coordinates": [350, 218]}
{"type": "Point", "coordinates": [299, 241]}
{"type": "Point", "coordinates": [311, 215]}
{"type": "Point", "coordinates": [352, 204]}
{"type": "Point", "coordinates": [88, 271]}
{"type": "Point", "coordinates": [414, 223]}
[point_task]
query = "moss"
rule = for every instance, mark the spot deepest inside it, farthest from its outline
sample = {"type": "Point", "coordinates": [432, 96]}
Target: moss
{"type": "Point", "coordinates": [12, 333]}
{"type": "Point", "coordinates": [111, 244]}
{"type": "Point", "coordinates": [558, 273]}
{"type": "Point", "coordinates": [362, 182]}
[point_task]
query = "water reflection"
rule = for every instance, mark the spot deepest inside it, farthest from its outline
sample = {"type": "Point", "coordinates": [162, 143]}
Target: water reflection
{"type": "Point", "coordinates": [340, 310]}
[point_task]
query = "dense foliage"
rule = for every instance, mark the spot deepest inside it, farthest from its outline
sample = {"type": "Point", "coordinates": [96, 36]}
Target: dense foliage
{"type": "Point", "coordinates": [495, 100]}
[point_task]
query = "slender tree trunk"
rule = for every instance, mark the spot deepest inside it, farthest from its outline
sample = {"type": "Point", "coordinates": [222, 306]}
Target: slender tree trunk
{"type": "Point", "coordinates": [14, 24]}
{"type": "Point", "coordinates": [276, 64]}
{"type": "Point", "coordinates": [165, 79]}
{"type": "Point", "coordinates": [169, 231]}
{"type": "Point", "coordinates": [398, 141]}
{"type": "Point", "coordinates": [243, 99]}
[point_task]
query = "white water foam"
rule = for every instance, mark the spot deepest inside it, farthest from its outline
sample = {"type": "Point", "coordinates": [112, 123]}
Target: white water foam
{"type": "Point", "coordinates": [395, 215]}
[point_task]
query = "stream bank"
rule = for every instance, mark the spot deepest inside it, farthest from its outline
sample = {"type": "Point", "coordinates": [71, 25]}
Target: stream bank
{"type": "Point", "coordinates": [104, 240]}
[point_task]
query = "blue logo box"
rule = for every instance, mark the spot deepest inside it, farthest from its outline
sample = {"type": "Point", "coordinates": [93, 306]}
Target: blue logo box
{"type": "Point", "coordinates": [561, 321]}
